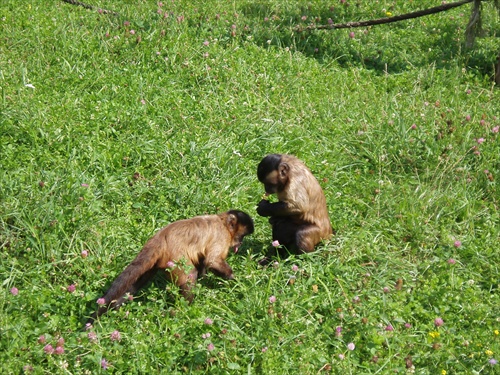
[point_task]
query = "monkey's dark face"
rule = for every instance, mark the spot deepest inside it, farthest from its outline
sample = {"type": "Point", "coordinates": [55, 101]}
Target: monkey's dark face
{"type": "Point", "coordinates": [243, 227]}
{"type": "Point", "coordinates": [239, 235]}
{"type": "Point", "coordinates": [271, 182]}
{"type": "Point", "coordinates": [273, 173]}
{"type": "Point", "coordinates": [267, 172]}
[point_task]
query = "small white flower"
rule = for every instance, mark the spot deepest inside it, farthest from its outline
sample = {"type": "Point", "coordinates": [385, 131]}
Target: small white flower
{"type": "Point", "coordinates": [29, 85]}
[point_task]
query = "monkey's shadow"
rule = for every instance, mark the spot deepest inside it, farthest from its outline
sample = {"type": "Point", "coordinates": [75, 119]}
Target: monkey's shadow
{"type": "Point", "coordinates": [252, 248]}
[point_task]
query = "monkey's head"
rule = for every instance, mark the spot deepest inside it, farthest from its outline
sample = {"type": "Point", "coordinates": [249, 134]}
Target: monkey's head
{"type": "Point", "coordinates": [240, 225]}
{"type": "Point", "coordinates": [273, 173]}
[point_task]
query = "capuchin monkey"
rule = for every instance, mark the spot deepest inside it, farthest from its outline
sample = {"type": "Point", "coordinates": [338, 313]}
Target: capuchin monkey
{"type": "Point", "coordinates": [300, 219]}
{"type": "Point", "coordinates": [185, 249]}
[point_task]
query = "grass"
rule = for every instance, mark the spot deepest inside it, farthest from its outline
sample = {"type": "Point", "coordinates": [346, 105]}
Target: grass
{"type": "Point", "coordinates": [112, 127]}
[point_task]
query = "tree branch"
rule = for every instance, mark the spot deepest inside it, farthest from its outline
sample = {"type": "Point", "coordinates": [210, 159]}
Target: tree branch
{"type": "Point", "coordinates": [380, 21]}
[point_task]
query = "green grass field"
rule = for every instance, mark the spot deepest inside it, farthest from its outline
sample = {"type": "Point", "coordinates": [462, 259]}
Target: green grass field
{"type": "Point", "coordinates": [111, 127]}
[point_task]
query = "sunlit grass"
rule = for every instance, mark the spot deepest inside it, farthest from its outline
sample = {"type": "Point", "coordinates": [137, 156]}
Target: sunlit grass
{"type": "Point", "coordinates": [114, 126]}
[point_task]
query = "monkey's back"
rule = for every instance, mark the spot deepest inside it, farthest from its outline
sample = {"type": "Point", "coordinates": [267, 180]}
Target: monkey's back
{"type": "Point", "coordinates": [191, 238]}
{"type": "Point", "coordinates": [308, 195]}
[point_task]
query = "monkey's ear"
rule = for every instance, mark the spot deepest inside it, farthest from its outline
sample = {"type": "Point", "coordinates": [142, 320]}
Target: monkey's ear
{"type": "Point", "coordinates": [283, 169]}
{"type": "Point", "coordinates": [231, 221]}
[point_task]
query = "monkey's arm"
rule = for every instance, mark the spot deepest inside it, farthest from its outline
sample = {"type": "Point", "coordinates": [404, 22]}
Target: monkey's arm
{"type": "Point", "coordinates": [222, 269]}
{"type": "Point", "coordinates": [265, 208]}
{"type": "Point", "coordinates": [216, 263]}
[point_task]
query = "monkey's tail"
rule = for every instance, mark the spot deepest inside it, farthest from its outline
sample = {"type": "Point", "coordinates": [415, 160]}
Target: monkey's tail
{"type": "Point", "coordinates": [133, 277]}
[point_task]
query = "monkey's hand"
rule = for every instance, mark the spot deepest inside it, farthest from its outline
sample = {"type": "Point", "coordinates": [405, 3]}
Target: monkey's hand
{"type": "Point", "coordinates": [264, 208]}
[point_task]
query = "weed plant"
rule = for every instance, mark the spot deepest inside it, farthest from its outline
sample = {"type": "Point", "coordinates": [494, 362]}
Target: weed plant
{"type": "Point", "coordinates": [114, 126]}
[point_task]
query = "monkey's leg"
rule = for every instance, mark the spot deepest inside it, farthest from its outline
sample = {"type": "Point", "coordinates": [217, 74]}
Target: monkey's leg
{"type": "Point", "coordinates": [307, 237]}
{"type": "Point", "coordinates": [285, 232]}
{"type": "Point", "coordinates": [184, 281]}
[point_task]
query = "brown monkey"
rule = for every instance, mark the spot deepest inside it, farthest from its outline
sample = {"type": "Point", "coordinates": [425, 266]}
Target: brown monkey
{"type": "Point", "coordinates": [300, 219]}
{"type": "Point", "coordinates": [202, 242]}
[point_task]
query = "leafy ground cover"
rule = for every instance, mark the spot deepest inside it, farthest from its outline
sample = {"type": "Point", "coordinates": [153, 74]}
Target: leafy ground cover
{"type": "Point", "coordinates": [114, 126]}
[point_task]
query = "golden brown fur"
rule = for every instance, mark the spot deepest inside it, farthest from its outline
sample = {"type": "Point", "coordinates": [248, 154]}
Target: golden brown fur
{"type": "Point", "coordinates": [300, 218]}
{"type": "Point", "coordinates": [186, 249]}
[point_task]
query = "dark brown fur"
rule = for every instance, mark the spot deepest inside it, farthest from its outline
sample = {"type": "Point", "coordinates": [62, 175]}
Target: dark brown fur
{"type": "Point", "coordinates": [300, 219]}
{"type": "Point", "coordinates": [198, 244]}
